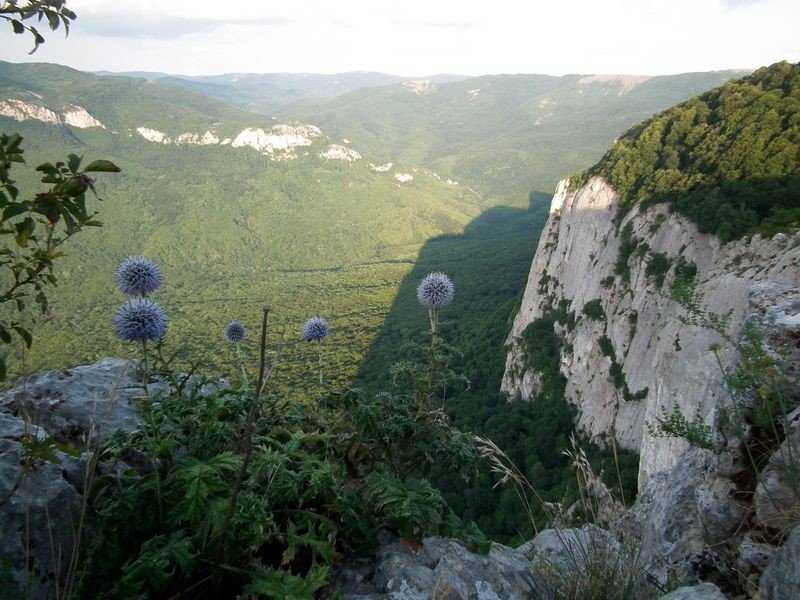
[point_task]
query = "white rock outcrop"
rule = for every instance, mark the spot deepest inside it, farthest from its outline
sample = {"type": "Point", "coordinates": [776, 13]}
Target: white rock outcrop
{"type": "Point", "coordinates": [403, 177]}
{"type": "Point", "coordinates": [419, 87]}
{"type": "Point", "coordinates": [380, 168]}
{"type": "Point", "coordinates": [207, 139]}
{"type": "Point", "coordinates": [339, 152]}
{"type": "Point", "coordinates": [280, 139]}
{"type": "Point", "coordinates": [662, 357]}
{"type": "Point", "coordinates": [75, 116]}
{"type": "Point", "coordinates": [154, 135]}
{"type": "Point", "coordinates": [78, 116]}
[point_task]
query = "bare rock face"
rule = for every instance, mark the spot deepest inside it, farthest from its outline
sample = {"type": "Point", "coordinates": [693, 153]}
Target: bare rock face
{"type": "Point", "coordinates": [781, 578]}
{"type": "Point", "coordinates": [684, 519]}
{"type": "Point", "coordinates": [77, 405]}
{"type": "Point", "coordinates": [439, 568]}
{"type": "Point", "coordinates": [777, 496]}
{"type": "Point", "coordinates": [703, 591]}
{"type": "Point", "coordinates": [48, 423]}
{"type": "Point", "coordinates": [638, 330]}
{"type": "Point", "coordinates": [76, 116]}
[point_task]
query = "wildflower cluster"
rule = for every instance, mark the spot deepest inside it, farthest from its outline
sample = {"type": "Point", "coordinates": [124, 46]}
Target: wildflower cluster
{"type": "Point", "coordinates": [139, 319]}
{"type": "Point", "coordinates": [206, 513]}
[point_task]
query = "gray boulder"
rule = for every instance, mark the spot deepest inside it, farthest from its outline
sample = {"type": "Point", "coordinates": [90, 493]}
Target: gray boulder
{"type": "Point", "coordinates": [49, 423]}
{"type": "Point", "coordinates": [439, 568]}
{"type": "Point", "coordinates": [80, 405]}
{"type": "Point", "coordinates": [703, 591]}
{"type": "Point", "coordinates": [777, 495]}
{"type": "Point", "coordinates": [781, 578]}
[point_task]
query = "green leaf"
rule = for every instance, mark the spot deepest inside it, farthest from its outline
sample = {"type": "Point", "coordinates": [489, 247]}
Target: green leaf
{"type": "Point", "coordinates": [102, 166]}
{"type": "Point", "coordinates": [17, 26]}
{"type": "Point", "coordinates": [24, 232]}
{"type": "Point", "coordinates": [15, 209]}
{"type": "Point", "coordinates": [52, 18]}
{"type": "Point", "coordinates": [74, 162]}
{"type": "Point", "coordinates": [25, 335]}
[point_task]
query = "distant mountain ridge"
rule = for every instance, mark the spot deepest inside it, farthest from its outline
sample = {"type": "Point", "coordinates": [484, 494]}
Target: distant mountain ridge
{"type": "Point", "coordinates": [265, 93]}
{"type": "Point", "coordinates": [504, 135]}
{"type": "Point", "coordinates": [334, 231]}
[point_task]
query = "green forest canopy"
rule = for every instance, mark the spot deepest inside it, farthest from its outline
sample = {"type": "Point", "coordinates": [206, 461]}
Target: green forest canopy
{"type": "Point", "coordinates": [728, 159]}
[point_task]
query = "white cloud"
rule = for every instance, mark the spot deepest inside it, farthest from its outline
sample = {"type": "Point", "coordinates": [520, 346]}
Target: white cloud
{"type": "Point", "coordinates": [419, 37]}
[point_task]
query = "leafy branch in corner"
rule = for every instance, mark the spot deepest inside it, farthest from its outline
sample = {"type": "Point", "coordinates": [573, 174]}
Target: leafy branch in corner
{"type": "Point", "coordinates": [54, 12]}
{"type": "Point", "coordinates": [32, 231]}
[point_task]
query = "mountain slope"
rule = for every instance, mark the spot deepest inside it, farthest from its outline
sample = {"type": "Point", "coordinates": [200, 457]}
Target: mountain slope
{"type": "Point", "coordinates": [272, 213]}
{"type": "Point", "coordinates": [269, 92]}
{"type": "Point", "coordinates": [615, 287]}
{"type": "Point", "coordinates": [504, 135]}
{"type": "Point", "coordinates": [728, 159]}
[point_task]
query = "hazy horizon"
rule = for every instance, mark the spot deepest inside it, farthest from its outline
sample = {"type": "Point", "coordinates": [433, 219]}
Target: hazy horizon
{"type": "Point", "coordinates": [417, 39]}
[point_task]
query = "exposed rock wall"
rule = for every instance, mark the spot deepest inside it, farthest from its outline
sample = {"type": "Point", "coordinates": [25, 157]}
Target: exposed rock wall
{"type": "Point", "coordinates": [75, 116]}
{"type": "Point", "coordinates": [665, 360]}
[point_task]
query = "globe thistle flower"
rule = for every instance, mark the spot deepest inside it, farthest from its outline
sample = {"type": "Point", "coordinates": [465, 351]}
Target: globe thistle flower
{"type": "Point", "coordinates": [138, 276]}
{"type": "Point", "coordinates": [315, 329]}
{"type": "Point", "coordinates": [235, 332]}
{"type": "Point", "coordinates": [139, 320]}
{"type": "Point", "coordinates": [435, 291]}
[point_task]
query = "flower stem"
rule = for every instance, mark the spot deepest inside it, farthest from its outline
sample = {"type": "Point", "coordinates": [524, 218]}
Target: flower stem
{"type": "Point", "coordinates": [247, 439]}
{"type": "Point", "coordinates": [146, 373]}
{"type": "Point", "coordinates": [319, 350]}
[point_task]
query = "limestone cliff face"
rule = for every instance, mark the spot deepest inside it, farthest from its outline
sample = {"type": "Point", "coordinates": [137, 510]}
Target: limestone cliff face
{"type": "Point", "coordinates": [640, 332]}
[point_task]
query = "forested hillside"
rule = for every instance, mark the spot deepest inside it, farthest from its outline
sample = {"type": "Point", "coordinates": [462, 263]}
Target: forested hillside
{"type": "Point", "coordinates": [235, 228]}
{"type": "Point", "coordinates": [728, 159]}
{"type": "Point", "coordinates": [504, 135]}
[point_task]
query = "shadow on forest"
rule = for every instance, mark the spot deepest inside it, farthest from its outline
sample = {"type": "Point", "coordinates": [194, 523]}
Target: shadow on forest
{"type": "Point", "coordinates": [489, 266]}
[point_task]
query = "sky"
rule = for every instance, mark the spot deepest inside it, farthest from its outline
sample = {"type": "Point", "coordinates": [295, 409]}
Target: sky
{"type": "Point", "coordinates": [415, 38]}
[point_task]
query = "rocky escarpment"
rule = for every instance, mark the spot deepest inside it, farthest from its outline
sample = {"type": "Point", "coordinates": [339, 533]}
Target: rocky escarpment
{"type": "Point", "coordinates": [280, 142]}
{"type": "Point", "coordinates": [76, 116]}
{"type": "Point", "coordinates": [629, 350]}
{"type": "Point", "coordinates": [649, 316]}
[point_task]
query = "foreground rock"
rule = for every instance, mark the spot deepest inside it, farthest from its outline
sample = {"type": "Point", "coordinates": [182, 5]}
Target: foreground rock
{"type": "Point", "coordinates": [781, 578]}
{"type": "Point", "coordinates": [439, 568]}
{"type": "Point", "coordinates": [48, 423]}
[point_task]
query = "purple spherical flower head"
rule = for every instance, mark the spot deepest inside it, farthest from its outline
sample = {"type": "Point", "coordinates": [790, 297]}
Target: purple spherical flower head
{"type": "Point", "coordinates": [137, 276]}
{"type": "Point", "coordinates": [139, 320]}
{"type": "Point", "coordinates": [435, 291]}
{"type": "Point", "coordinates": [235, 332]}
{"type": "Point", "coordinates": [315, 329]}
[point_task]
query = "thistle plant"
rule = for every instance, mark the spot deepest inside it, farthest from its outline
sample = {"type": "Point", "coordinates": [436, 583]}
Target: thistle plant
{"type": "Point", "coordinates": [139, 319]}
{"type": "Point", "coordinates": [236, 333]}
{"type": "Point", "coordinates": [315, 330]}
{"type": "Point", "coordinates": [434, 292]}
{"type": "Point", "coordinates": [138, 276]}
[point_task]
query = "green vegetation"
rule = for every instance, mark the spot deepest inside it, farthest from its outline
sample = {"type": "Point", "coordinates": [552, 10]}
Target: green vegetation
{"type": "Point", "coordinates": [594, 310]}
{"type": "Point", "coordinates": [616, 373]}
{"type": "Point", "coordinates": [234, 231]}
{"type": "Point", "coordinates": [628, 244]}
{"type": "Point", "coordinates": [658, 265]}
{"type": "Point", "coordinates": [224, 490]}
{"type": "Point", "coordinates": [729, 159]}
{"type": "Point", "coordinates": [503, 135]}
{"type": "Point", "coordinates": [39, 227]}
